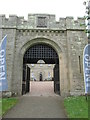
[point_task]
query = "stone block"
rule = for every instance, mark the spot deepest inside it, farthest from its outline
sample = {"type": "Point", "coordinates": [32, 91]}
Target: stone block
{"type": "Point", "coordinates": [6, 94]}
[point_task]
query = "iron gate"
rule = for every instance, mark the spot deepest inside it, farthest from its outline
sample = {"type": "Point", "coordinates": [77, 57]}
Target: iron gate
{"type": "Point", "coordinates": [41, 51]}
{"type": "Point", "coordinates": [56, 79]}
{"type": "Point", "coordinates": [26, 79]}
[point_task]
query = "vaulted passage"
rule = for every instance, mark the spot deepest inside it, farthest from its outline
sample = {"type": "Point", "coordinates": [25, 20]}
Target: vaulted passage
{"type": "Point", "coordinates": [32, 55]}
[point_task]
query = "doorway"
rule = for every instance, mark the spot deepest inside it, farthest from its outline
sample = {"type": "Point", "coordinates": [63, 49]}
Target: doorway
{"type": "Point", "coordinates": [32, 55]}
{"type": "Point", "coordinates": [41, 79]}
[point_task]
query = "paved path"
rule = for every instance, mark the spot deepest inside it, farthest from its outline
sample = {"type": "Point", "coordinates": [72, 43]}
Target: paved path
{"type": "Point", "coordinates": [41, 102]}
{"type": "Point", "coordinates": [38, 107]}
{"type": "Point", "coordinates": [41, 88]}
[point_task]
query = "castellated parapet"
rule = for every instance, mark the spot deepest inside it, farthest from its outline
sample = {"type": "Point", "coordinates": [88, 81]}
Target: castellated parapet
{"type": "Point", "coordinates": [35, 21]}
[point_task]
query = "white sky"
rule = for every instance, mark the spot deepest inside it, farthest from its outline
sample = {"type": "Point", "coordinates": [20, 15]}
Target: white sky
{"type": "Point", "coordinates": [61, 8]}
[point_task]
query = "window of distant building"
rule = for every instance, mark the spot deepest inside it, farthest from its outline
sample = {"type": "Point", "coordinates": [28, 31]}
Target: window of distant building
{"type": "Point", "coordinates": [49, 65]}
{"type": "Point", "coordinates": [32, 65]}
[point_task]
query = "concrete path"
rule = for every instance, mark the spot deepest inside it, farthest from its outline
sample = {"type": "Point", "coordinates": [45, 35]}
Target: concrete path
{"type": "Point", "coordinates": [38, 107]}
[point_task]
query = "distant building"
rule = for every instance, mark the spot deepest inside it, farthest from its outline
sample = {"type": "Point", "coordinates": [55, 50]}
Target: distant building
{"type": "Point", "coordinates": [45, 71]}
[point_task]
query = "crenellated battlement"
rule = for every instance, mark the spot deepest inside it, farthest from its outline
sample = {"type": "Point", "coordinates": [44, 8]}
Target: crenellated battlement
{"type": "Point", "coordinates": [41, 21]}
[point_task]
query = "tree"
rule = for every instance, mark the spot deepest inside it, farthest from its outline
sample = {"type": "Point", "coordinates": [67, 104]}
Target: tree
{"type": "Point", "coordinates": [87, 17]}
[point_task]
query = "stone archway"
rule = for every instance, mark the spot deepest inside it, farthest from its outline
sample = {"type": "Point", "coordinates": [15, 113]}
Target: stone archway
{"type": "Point", "coordinates": [49, 55]}
{"type": "Point", "coordinates": [64, 84]}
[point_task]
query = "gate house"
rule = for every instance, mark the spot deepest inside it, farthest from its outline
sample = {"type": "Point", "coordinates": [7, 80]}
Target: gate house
{"type": "Point", "coordinates": [41, 37]}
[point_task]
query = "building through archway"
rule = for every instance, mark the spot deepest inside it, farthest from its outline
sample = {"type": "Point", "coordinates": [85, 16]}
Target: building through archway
{"type": "Point", "coordinates": [33, 55]}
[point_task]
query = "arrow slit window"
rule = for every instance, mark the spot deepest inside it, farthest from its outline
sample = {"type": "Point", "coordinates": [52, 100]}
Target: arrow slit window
{"type": "Point", "coordinates": [80, 63]}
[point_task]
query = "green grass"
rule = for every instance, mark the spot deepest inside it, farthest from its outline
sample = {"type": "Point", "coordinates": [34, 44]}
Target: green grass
{"type": "Point", "coordinates": [6, 104]}
{"type": "Point", "coordinates": [76, 107]}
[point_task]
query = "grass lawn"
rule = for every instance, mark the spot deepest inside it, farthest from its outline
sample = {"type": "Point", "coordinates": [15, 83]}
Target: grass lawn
{"type": "Point", "coordinates": [6, 104]}
{"type": "Point", "coordinates": [76, 107]}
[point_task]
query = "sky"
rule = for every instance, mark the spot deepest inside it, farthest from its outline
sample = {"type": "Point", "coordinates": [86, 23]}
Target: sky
{"type": "Point", "coordinates": [61, 8]}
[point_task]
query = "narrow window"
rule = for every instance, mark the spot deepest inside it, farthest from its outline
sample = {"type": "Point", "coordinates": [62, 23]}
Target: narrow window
{"type": "Point", "coordinates": [80, 64]}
